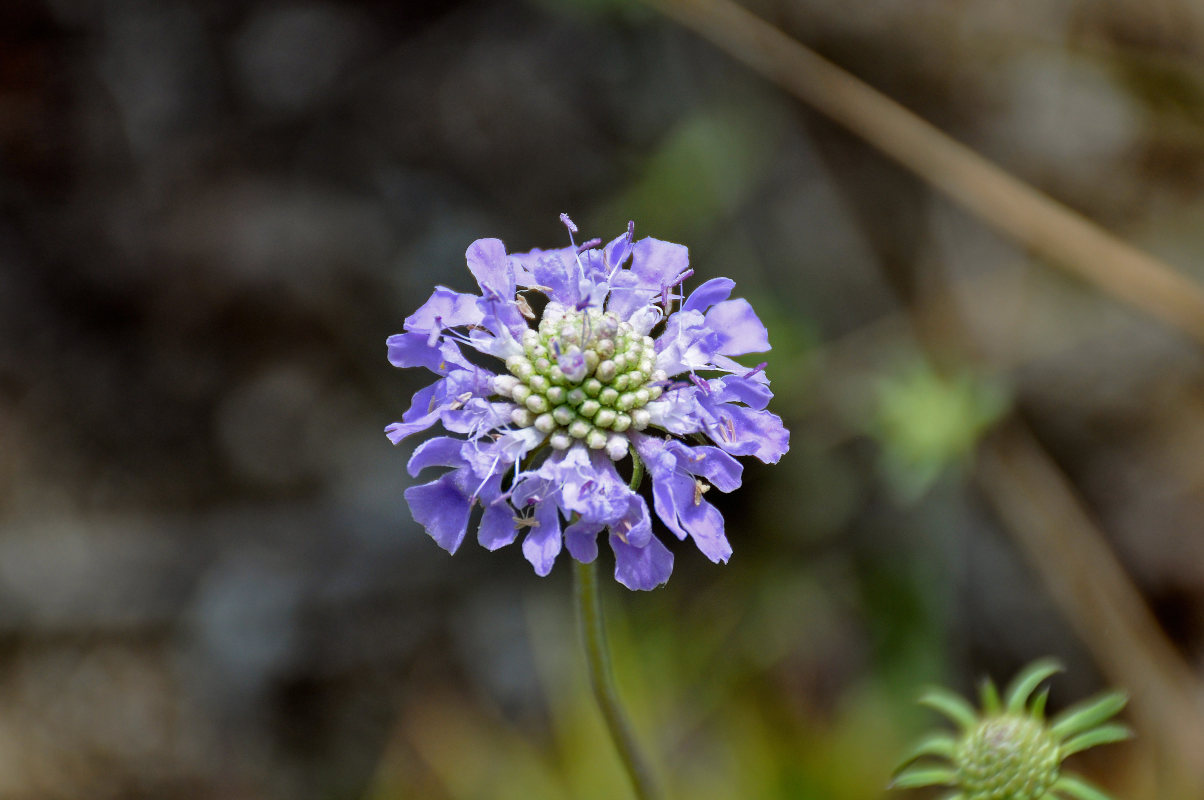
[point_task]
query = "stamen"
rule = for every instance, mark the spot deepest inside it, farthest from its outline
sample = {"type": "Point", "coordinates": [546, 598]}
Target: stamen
{"type": "Point", "coordinates": [758, 368]}
{"type": "Point", "coordinates": [492, 467]}
{"type": "Point", "coordinates": [621, 529]}
{"type": "Point", "coordinates": [680, 279]}
{"type": "Point", "coordinates": [666, 297]}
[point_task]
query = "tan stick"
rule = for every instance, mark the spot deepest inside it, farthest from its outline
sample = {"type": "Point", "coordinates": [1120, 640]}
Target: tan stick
{"type": "Point", "coordinates": [1032, 497]}
{"type": "Point", "coordinates": [1042, 513]}
{"type": "Point", "coordinates": [1049, 228]}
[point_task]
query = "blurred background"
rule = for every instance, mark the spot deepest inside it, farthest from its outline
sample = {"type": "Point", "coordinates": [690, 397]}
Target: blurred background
{"type": "Point", "coordinates": [214, 212]}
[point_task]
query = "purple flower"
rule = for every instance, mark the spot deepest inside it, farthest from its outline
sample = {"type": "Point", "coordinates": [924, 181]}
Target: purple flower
{"type": "Point", "coordinates": [620, 363]}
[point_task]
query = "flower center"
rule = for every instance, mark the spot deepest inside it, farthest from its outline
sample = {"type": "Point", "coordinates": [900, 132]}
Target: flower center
{"type": "Point", "coordinates": [1007, 758]}
{"type": "Point", "coordinates": [583, 376]}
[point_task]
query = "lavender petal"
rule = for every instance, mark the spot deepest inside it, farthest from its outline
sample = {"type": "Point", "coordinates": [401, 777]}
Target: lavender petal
{"type": "Point", "coordinates": [581, 540]}
{"type": "Point", "coordinates": [415, 349]}
{"type": "Point", "coordinates": [444, 309]}
{"type": "Point", "coordinates": [441, 507]}
{"type": "Point", "coordinates": [542, 543]}
{"type": "Point", "coordinates": [442, 451]}
{"type": "Point", "coordinates": [641, 568]}
{"type": "Point", "coordinates": [741, 331]}
{"type": "Point", "coordinates": [716, 290]}
{"type": "Point", "coordinates": [657, 263]}
{"type": "Point", "coordinates": [498, 527]}
{"type": "Point", "coordinates": [488, 263]}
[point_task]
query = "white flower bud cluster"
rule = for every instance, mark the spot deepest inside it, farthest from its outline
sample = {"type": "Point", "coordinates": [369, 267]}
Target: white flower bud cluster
{"type": "Point", "coordinates": [583, 376]}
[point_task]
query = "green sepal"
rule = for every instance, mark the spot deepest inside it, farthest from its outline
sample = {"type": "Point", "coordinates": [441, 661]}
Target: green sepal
{"type": "Point", "coordinates": [1078, 788]}
{"type": "Point", "coordinates": [935, 744]}
{"type": "Point", "coordinates": [922, 775]}
{"type": "Point", "coordinates": [952, 705]}
{"type": "Point", "coordinates": [1037, 709]}
{"type": "Point", "coordinates": [1025, 683]}
{"type": "Point", "coordinates": [1104, 734]}
{"type": "Point", "coordinates": [1087, 714]}
{"type": "Point", "coordinates": [988, 697]}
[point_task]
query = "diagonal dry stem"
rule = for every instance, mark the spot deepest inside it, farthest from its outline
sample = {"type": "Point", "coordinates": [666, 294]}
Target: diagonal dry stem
{"type": "Point", "coordinates": [1033, 498]}
{"type": "Point", "coordinates": [1042, 224]}
{"type": "Point", "coordinates": [1044, 516]}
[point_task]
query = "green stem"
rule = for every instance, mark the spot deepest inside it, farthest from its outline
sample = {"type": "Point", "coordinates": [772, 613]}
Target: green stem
{"type": "Point", "coordinates": [597, 656]}
{"type": "Point", "coordinates": [637, 472]}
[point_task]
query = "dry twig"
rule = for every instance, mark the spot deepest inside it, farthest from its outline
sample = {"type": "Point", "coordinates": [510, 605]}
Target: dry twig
{"type": "Point", "coordinates": [1049, 228]}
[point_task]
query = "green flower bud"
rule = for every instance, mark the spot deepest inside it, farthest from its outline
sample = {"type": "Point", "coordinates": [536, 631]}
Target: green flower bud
{"type": "Point", "coordinates": [1009, 751]}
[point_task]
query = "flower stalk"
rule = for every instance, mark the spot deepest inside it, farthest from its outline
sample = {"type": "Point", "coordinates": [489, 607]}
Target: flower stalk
{"type": "Point", "coordinates": [601, 679]}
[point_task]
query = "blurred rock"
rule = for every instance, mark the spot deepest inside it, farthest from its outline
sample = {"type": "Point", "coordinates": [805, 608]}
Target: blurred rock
{"type": "Point", "coordinates": [289, 58]}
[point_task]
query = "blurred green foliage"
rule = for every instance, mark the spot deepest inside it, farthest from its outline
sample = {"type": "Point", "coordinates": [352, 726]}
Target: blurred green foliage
{"type": "Point", "coordinates": [731, 700]}
{"type": "Point", "coordinates": [927, 423]}
{"type": "Point", "coordinates": [704, 169]}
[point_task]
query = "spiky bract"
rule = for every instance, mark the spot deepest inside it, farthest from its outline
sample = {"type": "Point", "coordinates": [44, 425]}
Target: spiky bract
{"type": "Point", "coordinates": [1008, 751]}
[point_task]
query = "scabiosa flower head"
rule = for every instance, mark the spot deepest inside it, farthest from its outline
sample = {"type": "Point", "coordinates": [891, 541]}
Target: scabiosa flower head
{"type": "Point", "coordinates": [1009, 752]}
{"type": "Point", "coordinates": [617, 365]}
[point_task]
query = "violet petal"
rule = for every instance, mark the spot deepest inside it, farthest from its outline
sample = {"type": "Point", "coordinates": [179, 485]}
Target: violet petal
{"type": "Point", "coordinates": [641, 568]}
{"type": "Point", "coordinates": [441, 507]}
